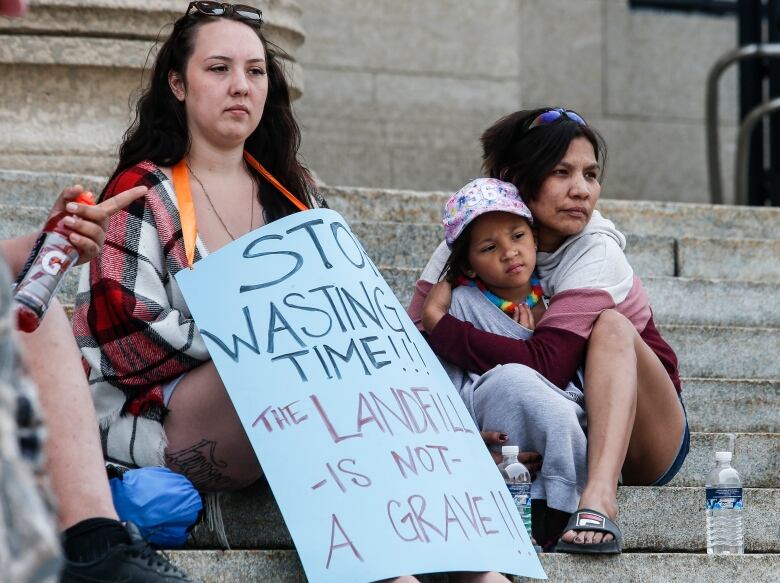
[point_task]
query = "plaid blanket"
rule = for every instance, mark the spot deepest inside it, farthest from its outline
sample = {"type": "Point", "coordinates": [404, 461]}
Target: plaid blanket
{"type": "Point", "coordinates": [131, 321]}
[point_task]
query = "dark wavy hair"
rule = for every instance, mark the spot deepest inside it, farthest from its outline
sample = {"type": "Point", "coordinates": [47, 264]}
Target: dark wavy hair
{"type": "Point", "coordinates": [159, 132]}
{"type": "Point", "coordinates": [512, 152]}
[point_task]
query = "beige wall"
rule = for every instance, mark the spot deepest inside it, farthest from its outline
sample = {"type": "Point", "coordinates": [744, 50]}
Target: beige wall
{"type": "Point", "coordinates": [71, 70]}
{"type": "Point", "coordinates": [397, 92]}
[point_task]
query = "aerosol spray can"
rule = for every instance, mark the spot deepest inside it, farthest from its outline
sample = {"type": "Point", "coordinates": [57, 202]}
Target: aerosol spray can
{"type": "Point", "coordinates": [45, 269]}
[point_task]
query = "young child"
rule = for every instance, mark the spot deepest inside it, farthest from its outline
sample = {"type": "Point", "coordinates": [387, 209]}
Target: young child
{"type": "Point", "coordinates": [492, 248]}
{"type": "Point", "coordinates": [489, 231]}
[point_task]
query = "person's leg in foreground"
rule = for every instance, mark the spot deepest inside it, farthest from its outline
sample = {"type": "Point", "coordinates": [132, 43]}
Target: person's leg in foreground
{"type": "Point", "coordinates": [96, 544]}
{"type": "Point", "coordinates": [636, 421]}
{"type": "Point", "coordinates": [29, 549]}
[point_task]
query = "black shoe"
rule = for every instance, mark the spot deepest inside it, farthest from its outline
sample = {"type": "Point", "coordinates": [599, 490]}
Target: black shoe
{"type": "Point", "coordinates": [138, 562]}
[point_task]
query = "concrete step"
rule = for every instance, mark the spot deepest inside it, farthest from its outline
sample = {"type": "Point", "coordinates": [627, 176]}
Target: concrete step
{"type": "Point", "coordinates": [284, 567]}
{"type": "Point", "coordinates": [659, 568]}
{"type": "Point", "coordinates": [656, 519]}
{"type": "Point", "coordinates": [715, 405]}
{"type": "Point", "coordinates": [39, 188]}
{"type": "Point", "coordinates": [20, 220]}
{"type": "Point", "coordinates": [756, 457]}
{"type": "Point", "coordinates": [734, 259]}
{"type": "Point", "coordinates": [719, 352]}
{"type": "Point", "coordinates": [641, 217]}
{"type": "Point", "coordinates": [739, 302]}
{"type": "Point", "coordinates": [273, 566]}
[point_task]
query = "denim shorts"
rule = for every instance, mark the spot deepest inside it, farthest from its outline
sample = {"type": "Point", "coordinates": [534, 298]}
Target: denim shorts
{"type": "Point", "coordinates": [685, 445]}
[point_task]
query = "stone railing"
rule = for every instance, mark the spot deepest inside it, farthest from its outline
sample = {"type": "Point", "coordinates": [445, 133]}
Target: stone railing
{"type": "Point", "coordinates": [71, 70]}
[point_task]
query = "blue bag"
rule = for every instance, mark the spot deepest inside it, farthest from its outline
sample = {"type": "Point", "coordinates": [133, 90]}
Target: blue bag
{"type": "Point", "coordinates": [163, 504]}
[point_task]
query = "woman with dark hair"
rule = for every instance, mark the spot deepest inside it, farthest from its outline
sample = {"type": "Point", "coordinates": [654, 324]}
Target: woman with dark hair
{"type": "Point", "coordinates": [217, 103]}
{"type": "Point", "coordinates": [598, 316]}
{"type": "Point", "coordinates": [217, 110]}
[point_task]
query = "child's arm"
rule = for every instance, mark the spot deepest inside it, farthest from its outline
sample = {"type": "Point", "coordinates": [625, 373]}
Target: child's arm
{"type": "Point", "coordinates": [436, 304]}
{"type": "Point", "coordinates": [428, 277]}
{"type": "Point", "coordinates": [554, 350]}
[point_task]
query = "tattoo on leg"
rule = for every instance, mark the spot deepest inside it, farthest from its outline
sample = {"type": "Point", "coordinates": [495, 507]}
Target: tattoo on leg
{"type": "Point", "coordinates": [200, 465]}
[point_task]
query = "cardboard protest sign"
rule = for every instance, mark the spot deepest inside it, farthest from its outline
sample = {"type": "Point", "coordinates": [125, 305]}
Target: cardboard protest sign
{"type": "Point", "coordinates": [374, 460]}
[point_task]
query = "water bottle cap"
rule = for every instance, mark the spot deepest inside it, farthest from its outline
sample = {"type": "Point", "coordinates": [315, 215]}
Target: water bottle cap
{"type": "Point", "coordinates": [510, 450]}
{"type": "Point", "coordinates": [723, 456]}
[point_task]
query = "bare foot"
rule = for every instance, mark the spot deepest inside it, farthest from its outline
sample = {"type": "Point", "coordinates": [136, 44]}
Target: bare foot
{"type": "Point", "coordinates": [606, 503]}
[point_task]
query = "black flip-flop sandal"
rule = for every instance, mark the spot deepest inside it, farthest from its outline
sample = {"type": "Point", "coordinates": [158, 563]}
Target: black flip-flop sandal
{"type": "Point", "coordinates": [594, 521]}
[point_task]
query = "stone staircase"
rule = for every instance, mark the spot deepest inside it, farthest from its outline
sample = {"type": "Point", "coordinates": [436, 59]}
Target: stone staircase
{"type": "Point", "coordinates": [712, 274]}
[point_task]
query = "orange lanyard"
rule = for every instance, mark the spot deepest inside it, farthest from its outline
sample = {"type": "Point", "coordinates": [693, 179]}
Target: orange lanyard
{"type": "Point", "coordinates": [181, 186]}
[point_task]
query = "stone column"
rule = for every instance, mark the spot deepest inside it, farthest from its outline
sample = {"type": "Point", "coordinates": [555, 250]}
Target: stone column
{"type": "Point", "coordinates": [71, 71]}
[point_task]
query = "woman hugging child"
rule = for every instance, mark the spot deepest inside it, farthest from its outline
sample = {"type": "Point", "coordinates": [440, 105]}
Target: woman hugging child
{"type": "Point", "coordinates": [489, 231]}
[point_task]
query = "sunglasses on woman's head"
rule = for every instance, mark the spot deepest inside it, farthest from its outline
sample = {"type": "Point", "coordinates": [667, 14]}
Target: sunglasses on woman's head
{"type": "Point", "coordinates": [552, 115]}
{"type": "Point", "coordinates": [243, 11]}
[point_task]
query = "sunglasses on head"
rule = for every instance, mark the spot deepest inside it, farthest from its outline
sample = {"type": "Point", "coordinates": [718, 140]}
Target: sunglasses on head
{"type": "Point", "coordinates": [242, 11]}
{"type": "Point", "coordinates": [552, 115]}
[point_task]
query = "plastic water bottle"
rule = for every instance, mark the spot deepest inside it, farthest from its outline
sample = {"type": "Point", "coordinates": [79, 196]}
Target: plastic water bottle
{"type": "Point", "coordinates": [724, 508]}
{"type": "Point", "coordinates": [518, 480]}
{"type": "Point", "coordinates": [44, 271]}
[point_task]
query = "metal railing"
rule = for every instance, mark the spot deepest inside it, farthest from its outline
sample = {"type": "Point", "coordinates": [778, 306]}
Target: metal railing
{"type": "Point", "coordinates": [743, 147]}
{"type": "Point", "coordinates": [755, 51]}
